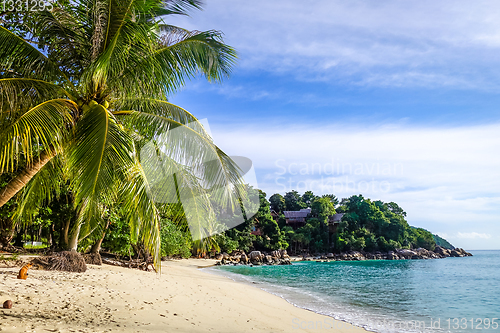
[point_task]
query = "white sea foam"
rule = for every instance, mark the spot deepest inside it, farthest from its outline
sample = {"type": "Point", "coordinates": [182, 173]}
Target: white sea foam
{"type": "Point", "coordinates": [370, 319]}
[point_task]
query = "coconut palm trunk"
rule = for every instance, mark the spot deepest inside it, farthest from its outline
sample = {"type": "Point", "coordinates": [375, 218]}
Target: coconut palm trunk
{"type": "Point", "coordinates": [23, 178]}
{"type": "Point", "coordinates": [73, 239]}
{"type": "Point", "coordinates": [96, 248]}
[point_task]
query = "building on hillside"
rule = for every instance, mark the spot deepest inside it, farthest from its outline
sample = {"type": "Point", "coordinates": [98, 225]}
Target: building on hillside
{"type": "Point", "coordinates": [333, 222]}
{"type": "Point", "coordinates": [275, 215]}
{"type": "Point", "coordinates": [297, 219]}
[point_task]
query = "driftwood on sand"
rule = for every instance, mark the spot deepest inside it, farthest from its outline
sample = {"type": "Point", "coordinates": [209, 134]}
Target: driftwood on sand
{"type": "Point", "coordinates": [134, 263]}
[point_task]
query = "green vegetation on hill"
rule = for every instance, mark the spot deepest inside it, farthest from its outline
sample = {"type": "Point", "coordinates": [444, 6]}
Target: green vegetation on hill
{"type": "Point", "coordinates": [377, 226]}
{"type": "Point", "coordinates": [443, 242]}
{"type": "Point", "coordinates": [365, 226]}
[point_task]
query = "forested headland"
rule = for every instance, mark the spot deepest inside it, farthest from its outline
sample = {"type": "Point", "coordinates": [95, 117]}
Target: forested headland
{"type": "Point", "coordinates": [363, 225]}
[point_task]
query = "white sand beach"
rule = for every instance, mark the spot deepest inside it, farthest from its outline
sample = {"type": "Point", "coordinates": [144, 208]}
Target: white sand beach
{"type": "Point", "coordinates": [180, 299]}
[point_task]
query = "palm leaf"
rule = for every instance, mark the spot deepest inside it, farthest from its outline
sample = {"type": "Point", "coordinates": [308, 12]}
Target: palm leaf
{"type": "Point", "coordinates": [141, 212]}
{"type": "Point", "coordinates": [180, 7]}
{"type": "Point", "coordinates": [67, 42]}
{"type": "Point", "coordinates": [20, 59]}
{"type": "Point", "coordinates": [189, 144]}
{"type": "Point", "coordinates": [132, 41]}
{"type": "Point", "coordinates": [21, 93]}
{"type": "Point", "coordinates": [43, 126]}
{"type": "Point", "coordinates": [162, 72]}
{"type": "Point", "coordinates": [158, 108]}
{"type": "Point", "coordinates": [118, 12]}
{"type": "Point", "coordinates": [97, 160]}
{"type": "Point", "coordinates": [98, 155]}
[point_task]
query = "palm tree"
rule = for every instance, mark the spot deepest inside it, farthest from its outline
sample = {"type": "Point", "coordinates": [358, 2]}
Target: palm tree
{"type": "Point", "coordinates": [85, 88]}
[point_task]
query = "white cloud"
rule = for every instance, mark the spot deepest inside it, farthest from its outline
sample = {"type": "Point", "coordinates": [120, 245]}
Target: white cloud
{"type": "Point", "coordinates": [472, 235]}
{"type": "Point", "coordinates": [423, 43]}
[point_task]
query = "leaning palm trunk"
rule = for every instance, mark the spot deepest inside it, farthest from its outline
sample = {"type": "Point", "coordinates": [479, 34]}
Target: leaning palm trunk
{"type": "Point", "coordinates": [91, 84]}
{"type": "Point", "coordinates": [96, 248]}
{"type": "Point", "coordinates": [23, 178]}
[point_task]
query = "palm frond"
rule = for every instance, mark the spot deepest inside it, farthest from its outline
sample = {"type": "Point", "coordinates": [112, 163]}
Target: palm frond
{"type": "Point", "coordinates": [189, 144]}
{"type": "Point", "coordinates": [43, 127]}
{"type": "Point", "coordinates": [97, 155]}
{"type": "Point", "coordinates": [154, 10]}
{"type": "Point", "coordinates": [141, 212]}
{"type": "Point", "coordinates": [183, 166]}
{"type": "Point", "coordinates": [90, 217]}
{"type": "Point", "coordinates": [17, 94]}
{"type": "Point", "coordinates": [98, 160]}
{"type": "Point", "coordinates": [61, 33]}
{"type": "Point", "coordinates": [131, 42]}
{"type": "Point", "coordinates": [118, 12]}
{"type": "Point", "coordinates": [162, 72]}
{"type": "Point", "coordinates": [172, 183]}
{"type": "Point", "coordinates": [180, 7]}
{"type": "Point", "coordinates": [159, 108]}
{"type": "Point", "coordinates": [18, 58]}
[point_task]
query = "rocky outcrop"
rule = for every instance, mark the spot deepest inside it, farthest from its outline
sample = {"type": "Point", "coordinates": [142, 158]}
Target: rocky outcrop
{"type": "Point", "coordinates": [244, 258]}
{"type": "Point", "coordinates": [255, 256]}
{"type": "Point", "coordinates": [459, 253]}
{"type": "Point", "coordinates": [399, 254]}
{"type": "Point", "coordinates": [279, 257]}
{"type": "Point", "coordinates": [442, 251]}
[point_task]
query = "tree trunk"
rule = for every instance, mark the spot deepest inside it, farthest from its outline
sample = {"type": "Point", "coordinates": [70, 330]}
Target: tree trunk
{"type": "Point", "coordinates": [97, 245]}
{"type": "Point", "coordinates": [16, 184]}
{"type": "Point", "coordinates": [73, 239]}
{"type": "Point", "coordinates": [51, 236]}
{"type": "Point", "coordinates": [19, 237]}
{"type": "Point", "coordinates": [63, 237]}
{"type": "Point", "coordinates": [7, 230]}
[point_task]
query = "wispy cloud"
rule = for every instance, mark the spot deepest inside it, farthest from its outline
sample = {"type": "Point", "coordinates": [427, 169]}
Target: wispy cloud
{"type": "Point", "coordinates": [418, 43]}
{"type": "Point", "coordinates": [472, 235]}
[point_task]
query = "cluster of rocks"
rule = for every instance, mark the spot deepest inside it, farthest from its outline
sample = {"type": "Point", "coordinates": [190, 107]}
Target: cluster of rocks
{"type": "Point", "coordinates": [420, 253]}
{"type": "Point", "coordinates": [278, 257]}
{"type": "Point", "coordinates": [281, 257]}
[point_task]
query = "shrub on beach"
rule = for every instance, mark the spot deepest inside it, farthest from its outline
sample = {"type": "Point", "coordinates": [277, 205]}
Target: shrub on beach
{"type": "Point", "coordinates": [174, 242]}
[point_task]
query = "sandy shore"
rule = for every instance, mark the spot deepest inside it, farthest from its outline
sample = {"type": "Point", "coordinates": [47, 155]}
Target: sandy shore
{"type": "Point", "coordinates": [181, 299]}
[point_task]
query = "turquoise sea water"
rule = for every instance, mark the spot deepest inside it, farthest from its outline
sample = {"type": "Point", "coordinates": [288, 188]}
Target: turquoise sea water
{"type": "Point", "coordinates": [441, 295]}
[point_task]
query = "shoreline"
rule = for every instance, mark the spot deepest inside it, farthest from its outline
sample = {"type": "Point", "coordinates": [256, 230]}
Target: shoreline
{"type": "Point", "coordinates": [183, 298]}
{"type": "Point", "coordinates": [237, 278]}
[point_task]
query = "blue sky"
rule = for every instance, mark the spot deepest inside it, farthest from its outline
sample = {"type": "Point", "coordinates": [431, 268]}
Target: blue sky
{"type": "Point", "coordinates": [398, 101]}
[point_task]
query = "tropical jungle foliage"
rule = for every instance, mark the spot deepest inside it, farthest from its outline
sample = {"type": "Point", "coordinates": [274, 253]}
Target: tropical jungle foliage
{"type": "Point", "coordinates": [84, 86]}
